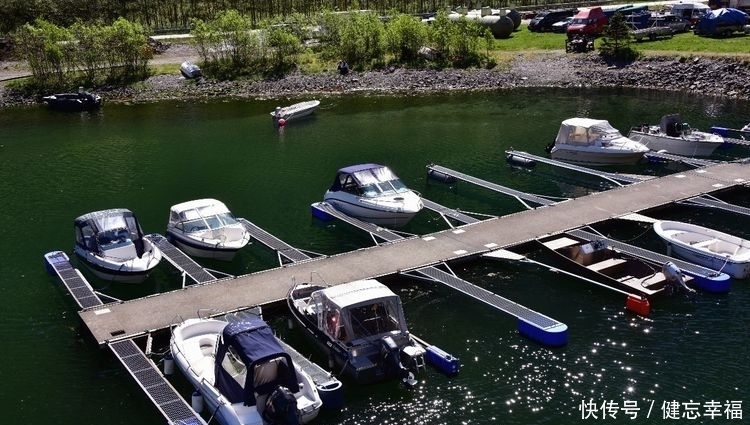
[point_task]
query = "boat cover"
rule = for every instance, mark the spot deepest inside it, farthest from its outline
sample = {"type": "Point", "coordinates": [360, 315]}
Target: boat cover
{"type": "Point", "coordinates": [721, 17]}
{"type": "Point", "coordinates": [585, 131]}
{"type": "Point", "coordinates": [254, 342]}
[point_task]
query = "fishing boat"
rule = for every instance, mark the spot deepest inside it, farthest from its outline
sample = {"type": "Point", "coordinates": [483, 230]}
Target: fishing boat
{"type": "Point", "coordinates": [707, 247]}
{"type": "Point", "coordinates": [190, 70]}
{"type": "Point", "coordinates": [74, 102]}
{"type": "Point", "coordinates": [360, 325]}
{"type": "Point", "coordinates": [373, 193]}
{"type": "Point", "coordinates": [296, 111]}
{"type": "Point", "coordinates": [599, 262]}
{"type": "Point", "coordinates": [206, 228]}
{"type": "Point", "coordinates": [587, 141]}
{"type": "Point", "coordinates": [676, 137]}
{"type": "Point", "coordinates": [111, 244]}
{"type": "Point", "coordinates": [242, 372]}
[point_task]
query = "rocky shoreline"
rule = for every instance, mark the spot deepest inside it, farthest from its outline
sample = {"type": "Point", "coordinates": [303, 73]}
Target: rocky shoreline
{"type": "Point", "coordinates": [707, 76]}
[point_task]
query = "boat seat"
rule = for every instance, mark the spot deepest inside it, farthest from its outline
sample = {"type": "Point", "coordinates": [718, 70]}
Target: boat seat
{"type": "Point", "coordinates": [562, 242]}
{"type": "Point", "coordinates": [606, 264]}
{"type": "Point", "coordinates": [704, 244]}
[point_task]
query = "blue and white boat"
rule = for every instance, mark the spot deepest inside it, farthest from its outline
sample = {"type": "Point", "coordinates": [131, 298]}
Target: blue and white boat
{"type": "Point", "coordinates": [206, 228]}
{"type": "Point", "coordinates": [373, 193]}
{"type": "Point", "coordinates": [361, 326]}
{"type": "Point", "coordinates": [111, 244]}
{"type": "Point", "coordinates": [243, 373]}
{"type": "Point", "coordinates": [708, 247]}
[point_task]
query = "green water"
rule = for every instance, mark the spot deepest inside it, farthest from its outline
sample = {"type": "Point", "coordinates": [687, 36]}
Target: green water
{"type": "Point", "coordinates": [54, 167]}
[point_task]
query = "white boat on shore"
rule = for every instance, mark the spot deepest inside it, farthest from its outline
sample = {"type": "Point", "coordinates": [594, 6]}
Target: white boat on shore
{"type": "Point", "coordinates": [111, 244]}
{"type": "Point", "coordinates": [373, 193]}
{"type": "Point", "coordinates": [675, 137]}
{"type": "Point", "coordinates": [707, 247]}
{"type": "Point", "coordinates": [190, 70]}
{"type": "Point", "coordinates": [206, 228]}
{"type": "Point", "coordinates": [296, 111]}
{"type": "Point", "coordinates": [587, 141]}
{"type": "Point", "coordinates": [243, 373]}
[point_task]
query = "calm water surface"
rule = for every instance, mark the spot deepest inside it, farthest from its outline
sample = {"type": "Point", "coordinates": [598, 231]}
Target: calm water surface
{"type": "Point", "coordinates": [55, 167]}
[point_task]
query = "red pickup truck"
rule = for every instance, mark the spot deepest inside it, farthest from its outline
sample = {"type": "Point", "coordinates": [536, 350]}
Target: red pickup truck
{"type": "Point", "coordinates": [588, 22]}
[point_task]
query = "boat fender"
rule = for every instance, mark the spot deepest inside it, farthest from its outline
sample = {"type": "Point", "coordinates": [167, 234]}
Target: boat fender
{"type": "Point", "coordinates": [196, 401]}
{"type": "Point", "coordinates": [168, 364]}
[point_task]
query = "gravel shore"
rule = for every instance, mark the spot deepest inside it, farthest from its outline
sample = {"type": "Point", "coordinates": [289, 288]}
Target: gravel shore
{"type": "Point", "coordinates": [721, 77]}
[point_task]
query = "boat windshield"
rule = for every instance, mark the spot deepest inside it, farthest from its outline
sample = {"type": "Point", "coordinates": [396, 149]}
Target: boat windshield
{"type": "Point", "coordinates": [381, 316]}
{"type": "Point", "coordinates": [379, 181]}
{"type": "Point", "coordinates": [208, 222]}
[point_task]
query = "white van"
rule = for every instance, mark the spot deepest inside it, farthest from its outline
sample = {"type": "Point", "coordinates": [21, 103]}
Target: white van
{"type": "Point", "coordinates": [689, 10]}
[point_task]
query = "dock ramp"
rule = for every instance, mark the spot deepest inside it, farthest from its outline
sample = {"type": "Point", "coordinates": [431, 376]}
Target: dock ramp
{"type": "Point", "coordinates": [186, 265]}
{"type": "Point", "coordinates": [283, 249]}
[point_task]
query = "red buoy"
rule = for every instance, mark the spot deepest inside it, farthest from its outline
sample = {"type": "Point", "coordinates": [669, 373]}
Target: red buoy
{"type": "Point", "coordinates": [638, 305]}
{"type": "Point", "coordinates": [281, 122]}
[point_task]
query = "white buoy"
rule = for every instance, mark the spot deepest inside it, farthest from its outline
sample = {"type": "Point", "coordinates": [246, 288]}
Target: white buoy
{"type": "Point", "coordinates": [197, 401]}
{"type": "Point", "coordinates": [168, 364]}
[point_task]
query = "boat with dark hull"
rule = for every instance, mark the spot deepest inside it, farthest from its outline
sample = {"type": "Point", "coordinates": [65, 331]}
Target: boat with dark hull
{"type": "Point", "coordinates": [74, 102]}
{"type": "Point", "coordinates": [361, 326]}
{"type": "Point", "coordinates": [597, 261]}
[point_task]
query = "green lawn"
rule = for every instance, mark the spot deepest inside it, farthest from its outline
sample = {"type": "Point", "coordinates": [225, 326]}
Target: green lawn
{"type": "Point", "coordinates": [523, 39]}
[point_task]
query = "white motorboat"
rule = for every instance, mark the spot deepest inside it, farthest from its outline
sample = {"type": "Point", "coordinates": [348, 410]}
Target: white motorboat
{"type": "Point", "coordinates": [707, 247]}
{"type": "Point", "coordinates": [206, 228]}
{"type": "Point", "coordinates": [190, 70]}
{"type": "Point", "coordinates": [111, 244]}
{"type": "Point", "coordinates": [243, 373]}
{"type": "Point", "coordinates": [296, 111]}
{"type": "Point", "coordinates": [361, 326]}
{"type": "Point", "coordinates": [373, 193]}
{"type": "Point", "coordinates": [587, 141]}
{"type": "Point", "coordinates": [675, 137]}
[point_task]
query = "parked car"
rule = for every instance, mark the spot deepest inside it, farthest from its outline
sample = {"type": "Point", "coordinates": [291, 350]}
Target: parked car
{"type": "Point", "coordinates": [544, 20]}
{"type": "Point", "coordinates": [561, 26]}
{"type": "Point", "coordinates": [588, 21]}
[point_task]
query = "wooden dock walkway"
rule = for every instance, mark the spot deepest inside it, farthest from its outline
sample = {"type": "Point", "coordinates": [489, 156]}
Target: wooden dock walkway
{"type": "Point", "coordinates": [115, 321]}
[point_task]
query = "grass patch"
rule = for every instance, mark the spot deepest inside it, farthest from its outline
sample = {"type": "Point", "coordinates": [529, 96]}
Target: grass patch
{"type": "Point", "coordinates": [523, 39]}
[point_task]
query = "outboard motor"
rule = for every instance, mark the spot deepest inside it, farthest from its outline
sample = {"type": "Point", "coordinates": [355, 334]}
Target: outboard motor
{"type": "Point", "coordinates": [391, 355]}
{"type": "Point", "coordinates": [675, 279]}
{"type": "Point", "coordinates": [281, 407]}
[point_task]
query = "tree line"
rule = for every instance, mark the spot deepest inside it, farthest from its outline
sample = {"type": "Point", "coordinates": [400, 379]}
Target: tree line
{"type": "Point", "coordinates": [231, 46]}
{"type": "Point", "coordinates": [167, 15]}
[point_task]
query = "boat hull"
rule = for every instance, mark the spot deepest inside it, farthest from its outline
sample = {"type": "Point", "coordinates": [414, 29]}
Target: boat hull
{"type": "Point", "coordinates": [195, 248]}
{"type": "Point", "coordinates": [296, 111]}
{"type": "Point", "coordinates": [602, 157]}
{"type": "Point", "coordinates": [675, 145]}
{"type": "Point", "coordinates": [707, 247]}
{"type": "Point", "coordinates": [133, 271]}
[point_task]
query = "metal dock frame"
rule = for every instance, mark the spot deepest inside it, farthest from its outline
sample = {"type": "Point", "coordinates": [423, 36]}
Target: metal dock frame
{"type": "Point", "coordinates": [711, 202]}
{"type": "Point", "coordinates": [183, 263]}
{"type": "Point", "coordinates": [164, 396]}
{"type": "Point", "coordinates": [282, 248]}
{"type": "Point", "coordinates": [531, 324]}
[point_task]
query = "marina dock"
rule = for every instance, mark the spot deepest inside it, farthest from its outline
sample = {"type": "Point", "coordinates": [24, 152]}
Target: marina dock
{"type": "Point", "coordinates": [128, 319]}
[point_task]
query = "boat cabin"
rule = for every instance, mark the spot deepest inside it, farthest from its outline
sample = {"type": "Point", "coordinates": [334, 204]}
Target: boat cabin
{"type": "Point", "coordinates": [586, 132]}
{"type": "Point", "coordinates": [113, 233]}
{"type": "Point", "coordinates": [368, 180]}
{"type": "Point", "coordinates": [200, 215]}
{"type": "Point", "coordinates": [360, 311]}
{"type": "Point", "coordinates": [251, 363]}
